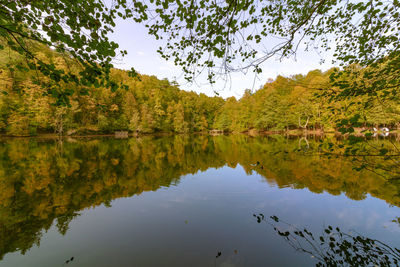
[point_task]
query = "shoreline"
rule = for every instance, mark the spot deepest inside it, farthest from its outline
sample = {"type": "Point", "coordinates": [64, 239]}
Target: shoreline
{"type": "Point", "coordinates": [252, 133]}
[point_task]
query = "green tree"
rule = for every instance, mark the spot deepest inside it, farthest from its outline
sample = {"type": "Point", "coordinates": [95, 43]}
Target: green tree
{"type": "Point", "coordinates": [229, 34]}
{"type": "Point", "coordinates": [79, 30]}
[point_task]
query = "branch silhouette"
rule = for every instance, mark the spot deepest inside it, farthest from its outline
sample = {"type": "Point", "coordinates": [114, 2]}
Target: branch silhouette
{"type": "Point", "coordinates": [334, 247]}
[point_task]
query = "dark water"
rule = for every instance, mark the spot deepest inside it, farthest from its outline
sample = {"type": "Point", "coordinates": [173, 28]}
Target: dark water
{"type": "Point", "coordinates": [188, 201]}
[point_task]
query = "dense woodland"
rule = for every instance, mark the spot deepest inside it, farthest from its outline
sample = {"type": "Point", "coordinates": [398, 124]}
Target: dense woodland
{"type": "Point", "coordinates": [148, 105]}
{"type": "Point", "coordinates": [57, 76]}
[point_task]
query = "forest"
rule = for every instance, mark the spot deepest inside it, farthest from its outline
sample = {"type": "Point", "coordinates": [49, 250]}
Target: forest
{"type": "Point", "coordinates": [146, 104]}
{"type": "Point", "coordinates": [59, 82]}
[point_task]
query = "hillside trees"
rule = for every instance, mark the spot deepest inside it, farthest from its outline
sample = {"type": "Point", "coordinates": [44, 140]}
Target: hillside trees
{"type": "Point", "coordinates": [220, 37]}
{"type": "Point", "coordinates": [146, 106]}
{"type": "Point", "coordinates": [152, 105]}
{"type": "Point", "coordinates": [301, 102]}
{"type": "Point", "coordinates": [78, 30]}
{"type": "Point", "coordinates": [217, 36]}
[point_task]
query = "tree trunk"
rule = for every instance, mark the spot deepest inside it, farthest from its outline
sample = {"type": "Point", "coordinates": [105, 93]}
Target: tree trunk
{"type": "Point", "coordinates": [305, 125]}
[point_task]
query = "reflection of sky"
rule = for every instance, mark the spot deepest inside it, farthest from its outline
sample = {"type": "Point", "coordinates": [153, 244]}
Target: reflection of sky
{"type": "Point", "coordinates": [211, 211]}
{"type": "Point", "coordinates": [143, 57]}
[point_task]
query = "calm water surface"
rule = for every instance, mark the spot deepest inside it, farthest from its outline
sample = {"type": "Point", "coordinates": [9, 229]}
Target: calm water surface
{"type": "Point", "coordinates": [181, 201]}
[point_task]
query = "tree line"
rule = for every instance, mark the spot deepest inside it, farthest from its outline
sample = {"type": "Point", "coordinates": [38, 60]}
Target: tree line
{"type": "Point", "coordinates": [144, 105]}
{"type": "Point", "coordinates": [148, 105]}
{"type": "Point", "coordinates": [312, 101]}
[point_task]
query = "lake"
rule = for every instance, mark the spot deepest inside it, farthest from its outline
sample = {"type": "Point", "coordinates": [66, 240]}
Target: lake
{"type": "Point", "coordinates": [193, 200]}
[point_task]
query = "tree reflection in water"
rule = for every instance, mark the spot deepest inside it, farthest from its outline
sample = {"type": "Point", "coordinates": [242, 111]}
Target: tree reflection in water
{"type": "Point", "coordinates": [334, 247]}
{"type": "Point", "coordinates": [46, 182]}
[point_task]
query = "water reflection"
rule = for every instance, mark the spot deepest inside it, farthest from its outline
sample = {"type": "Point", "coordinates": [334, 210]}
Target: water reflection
{"type": "Point", "coordinates": [334, 247]}
{"type": "Point", "coordinates": [47, 181]}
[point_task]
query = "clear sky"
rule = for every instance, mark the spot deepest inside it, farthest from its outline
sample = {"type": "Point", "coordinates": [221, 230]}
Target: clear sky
{"type": "Point", "coordinates": [143, 57]}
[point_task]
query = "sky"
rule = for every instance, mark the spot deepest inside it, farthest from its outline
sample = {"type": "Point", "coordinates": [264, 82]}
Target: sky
{"type": "Point", "coordinates": [143, 57]}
